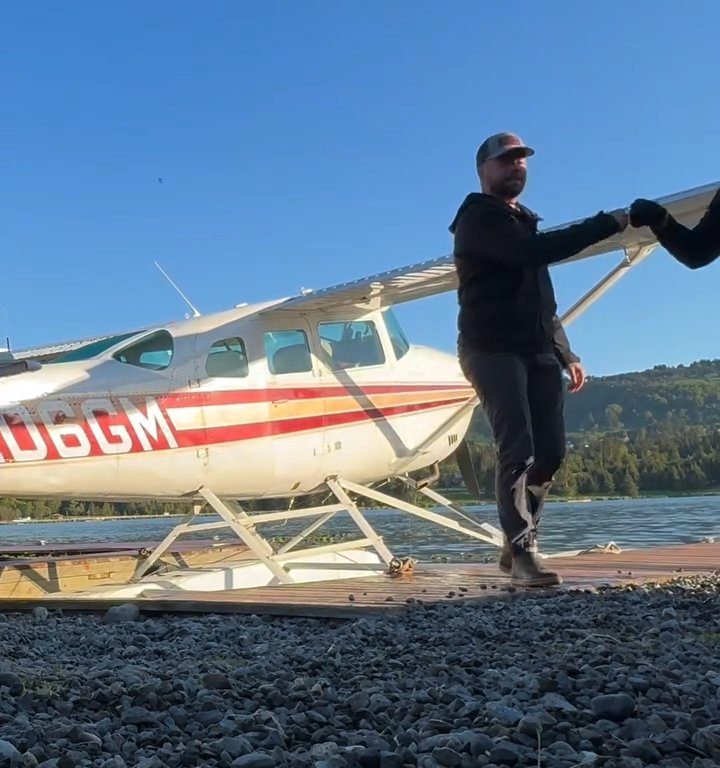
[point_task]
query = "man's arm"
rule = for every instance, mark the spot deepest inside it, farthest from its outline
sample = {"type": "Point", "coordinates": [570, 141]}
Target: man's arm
{"type": "Point", "coordinates": [568, 359]}
{"type": "Point", "coordinates": [496, 236]}
{"type": "Point", "coordinates": [695, 247]}
{"type": "Point", "coordinates": [562, 346]}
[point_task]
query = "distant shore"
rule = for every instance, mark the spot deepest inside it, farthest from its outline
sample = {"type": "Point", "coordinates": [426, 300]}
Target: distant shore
{"type": "Point", "coordinates": [456, 495]}
{"type": "Point", "coordinates": [88, 519]}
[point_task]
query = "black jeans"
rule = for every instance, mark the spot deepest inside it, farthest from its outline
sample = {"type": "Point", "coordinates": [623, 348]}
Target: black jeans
{"type": "Point", "coordinates": [523, 398]}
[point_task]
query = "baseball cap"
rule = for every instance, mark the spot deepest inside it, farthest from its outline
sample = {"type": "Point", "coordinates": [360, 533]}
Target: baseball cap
{"type": "Point", "coordinates": [498, 145]}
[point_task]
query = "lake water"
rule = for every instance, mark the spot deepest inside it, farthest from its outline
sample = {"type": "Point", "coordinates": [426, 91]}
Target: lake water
{"type": "Point", "coordinates": [566, 526]}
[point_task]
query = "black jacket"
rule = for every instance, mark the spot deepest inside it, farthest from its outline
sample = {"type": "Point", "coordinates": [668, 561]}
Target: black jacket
{"type": "Point", "coordinates": [506, 296]}
{"type": "Point", "coordinates": [693, 247]}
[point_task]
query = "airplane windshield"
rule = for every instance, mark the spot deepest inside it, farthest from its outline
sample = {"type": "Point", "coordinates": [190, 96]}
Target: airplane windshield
{"type": "Point", "coordinates": [397, 336]}
{"type": "Point", "coordinates": [154, 352]}
{"type": "Point", "coordinates": [88, 351]}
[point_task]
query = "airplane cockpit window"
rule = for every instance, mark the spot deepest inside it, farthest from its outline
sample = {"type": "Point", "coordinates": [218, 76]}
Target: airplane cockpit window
{"type": "Point", "coordinates": [227, 358]}
{"type": "Point", "coordinates": [92, 349]}
{"type": "Point", "coordinates": [351, 344]}
{"type": "Point", "coordinates": [399, 341]}
{"type": "Point", "coordinates": [154, 352]}
{"type": "Point", "coordinates": [287, 352]}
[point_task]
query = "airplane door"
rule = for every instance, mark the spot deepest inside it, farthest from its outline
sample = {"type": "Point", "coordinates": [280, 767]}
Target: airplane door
{"type": "Point", "coordinates": [230, 383]}
{"type": "Point", "coordinates": [296, 407]}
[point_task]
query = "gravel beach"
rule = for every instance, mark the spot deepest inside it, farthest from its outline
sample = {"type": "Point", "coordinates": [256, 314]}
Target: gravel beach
{"type": "Point", "coordinates": [619, 679]}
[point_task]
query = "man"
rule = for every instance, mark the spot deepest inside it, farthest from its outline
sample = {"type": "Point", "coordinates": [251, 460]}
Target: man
{"type": "Point", "coordinates": [511, 344]}
{"type": "Point", "coordinates": [694, 248]}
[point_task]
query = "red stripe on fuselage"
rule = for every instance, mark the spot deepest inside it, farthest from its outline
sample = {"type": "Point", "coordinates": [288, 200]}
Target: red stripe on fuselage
{"type": "Point", "coordinates": [239, 432]}
{"type": "Point", "coordinates": [241, 396]}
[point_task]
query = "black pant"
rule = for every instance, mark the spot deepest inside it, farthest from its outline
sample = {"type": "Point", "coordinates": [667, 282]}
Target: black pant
{"type": "Point", "coordinates": [523, 399]}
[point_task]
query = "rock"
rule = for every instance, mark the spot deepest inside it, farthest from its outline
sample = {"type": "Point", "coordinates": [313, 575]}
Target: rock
{"type": "Point", "coordinates": [254, 760]}
{"type": "Point", "coordinates": [324, 750]}
{"type": "Point", "coordinates": [11, 680]}
{"type": "Point", "coordinates": [508, 715]}
{"type": "Point", "coordinates": [480, 744]}
{"type": "Point", "coordinates": [369, 758]}
{"type": "Point", "coordinates": [209, 717]}
{"type": "Point", "coordinates": [119, 614]}
{"type": "Point", "coordinates": [505, 753]}
{"type": "Point", "coordinates": [379, 703]}
{"type": "Point", "coordinates": [446, 757]}
{"type": "Point", "coordinates": [235, 746]}
{"type": "Point", "coordinates": [392, 759]}
{"type": "Point", "coordinates": [707, 740]}
{"type": "Point", "coordinates": [645, 750]}
{"type": "Point", "coordinates": [561, 749]}
{"type": "Point", "coordinates": [639, 683]}
{"type": "Point", "coordinates": [358, 701]}
{"type": "Point", "coordinates": [656, 724]}
{"type": "Point", "coordinates": [9, 755]}
{"type": "Point", "coordinates": [613, 706]}
{"type": "Point", "coordinates": [216, 681]}
{"type": "Point", "coordinates": [556, 701]}
{"type": "Point", "coordinates": [40, 613]}
{"type": "Point", "coordinates": [631, 762]}
{"type": "Point", "coordinates": [139, 716]}
{"type": "Point", "coordinates": [587, 757]}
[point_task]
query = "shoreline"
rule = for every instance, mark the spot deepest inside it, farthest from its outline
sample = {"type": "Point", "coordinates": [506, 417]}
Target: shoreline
{"type": "Point", "coordinates": [459, 498]}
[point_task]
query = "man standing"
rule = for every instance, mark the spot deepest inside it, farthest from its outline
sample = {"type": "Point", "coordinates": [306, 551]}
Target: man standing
{"type": "Point", "coordinates": [694, 248]}
{"type": "Point", "coordinates": [511, 344]}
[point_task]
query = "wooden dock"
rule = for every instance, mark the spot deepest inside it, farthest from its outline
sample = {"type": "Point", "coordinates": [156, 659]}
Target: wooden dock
{"type": "Point", "coordinates": [428, 584]}
{"type": "Point", "coordinates": [34, 571]}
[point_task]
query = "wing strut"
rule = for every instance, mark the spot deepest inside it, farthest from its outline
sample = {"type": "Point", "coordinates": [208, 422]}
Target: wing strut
{"type": "Point", "coordinates": [633, 256]}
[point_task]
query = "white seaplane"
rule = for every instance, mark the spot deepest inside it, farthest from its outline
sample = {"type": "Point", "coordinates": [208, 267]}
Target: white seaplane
{"type": "Point", "coordinates": [278, 400]}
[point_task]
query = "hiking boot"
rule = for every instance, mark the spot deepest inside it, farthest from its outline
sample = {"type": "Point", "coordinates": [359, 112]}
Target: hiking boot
{"type": "Point", "coordinates": [529, 542]}
{"type": "Point", "coordinates": [527, 572]}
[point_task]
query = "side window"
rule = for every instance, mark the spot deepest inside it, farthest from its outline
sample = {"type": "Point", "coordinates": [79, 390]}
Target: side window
{"type": "Point", "coordinates": [351, 345]}
{"type": "Point", "coordinates": [227, 358]}
{"type": "Point", "coordinates": [287, 352]}
{"type": "Point", "coordinates": [399, 341]}
{"type": "Point", "coordinates": [154, 352]}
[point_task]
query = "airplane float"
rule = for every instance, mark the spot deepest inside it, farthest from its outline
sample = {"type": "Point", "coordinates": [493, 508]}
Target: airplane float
{"type": "Point", "coordinates": [321, 391]}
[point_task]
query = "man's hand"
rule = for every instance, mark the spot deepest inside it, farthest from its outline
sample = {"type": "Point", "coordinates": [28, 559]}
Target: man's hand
{"type": "Point", "coordinates": [647, 213]}
{"type": "Point", "coordinates": [577, 377]}
{"type": "Point", "coordinates": [620, 215]}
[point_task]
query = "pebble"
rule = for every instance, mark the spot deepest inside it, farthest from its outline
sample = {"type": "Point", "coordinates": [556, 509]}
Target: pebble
{"type": "Point", "coordinates": [613, 706]}
{"type": "Point", "coordinates": [474, 685]}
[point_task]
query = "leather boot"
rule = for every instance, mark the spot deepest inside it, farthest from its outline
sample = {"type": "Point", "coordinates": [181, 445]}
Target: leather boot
{"type": "Point", "coordinates": [526, 571]}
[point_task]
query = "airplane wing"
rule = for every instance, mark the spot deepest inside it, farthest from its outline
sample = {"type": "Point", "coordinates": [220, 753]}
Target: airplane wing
{"type": "Point", "coordinates": [417, 281]}
{"type": "Point", "coordinates": [438, 275]}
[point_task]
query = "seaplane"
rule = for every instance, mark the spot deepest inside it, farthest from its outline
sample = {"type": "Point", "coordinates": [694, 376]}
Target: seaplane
{"type": "Point", "coordinates": [318, 392]}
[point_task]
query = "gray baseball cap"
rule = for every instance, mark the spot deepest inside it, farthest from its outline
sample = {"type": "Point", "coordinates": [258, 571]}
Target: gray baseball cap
{"type": "Point", "coordinates": [500, 144]}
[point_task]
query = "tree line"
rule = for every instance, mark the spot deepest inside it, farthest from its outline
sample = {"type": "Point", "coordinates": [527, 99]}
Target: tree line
{"type": "Point", "coordinates": [686, 459]}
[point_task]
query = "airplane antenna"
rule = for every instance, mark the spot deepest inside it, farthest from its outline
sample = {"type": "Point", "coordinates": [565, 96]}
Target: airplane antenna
{"type": "Point", "coordinates": [184, 297]}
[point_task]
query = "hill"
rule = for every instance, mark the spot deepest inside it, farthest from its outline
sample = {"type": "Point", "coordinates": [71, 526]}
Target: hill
{"type": "Point", "coordinates": [653, 431]}
{"type": "Point", "coordinates": [662, 397]}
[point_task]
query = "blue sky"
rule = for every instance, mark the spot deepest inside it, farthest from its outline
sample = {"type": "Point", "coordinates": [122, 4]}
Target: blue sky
{"type": "Point", "coordinates": [302, 144]}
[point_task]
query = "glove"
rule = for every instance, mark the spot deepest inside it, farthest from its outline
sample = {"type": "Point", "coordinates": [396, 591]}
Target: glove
{"type": "Point", "coordinates": [646, 213]}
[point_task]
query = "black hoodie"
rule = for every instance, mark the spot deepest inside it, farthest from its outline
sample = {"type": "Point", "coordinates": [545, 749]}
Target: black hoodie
{"type": "Point", "coordinates": [506, 296]}
{"type": "Point", "coordinates": [696, 247]}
